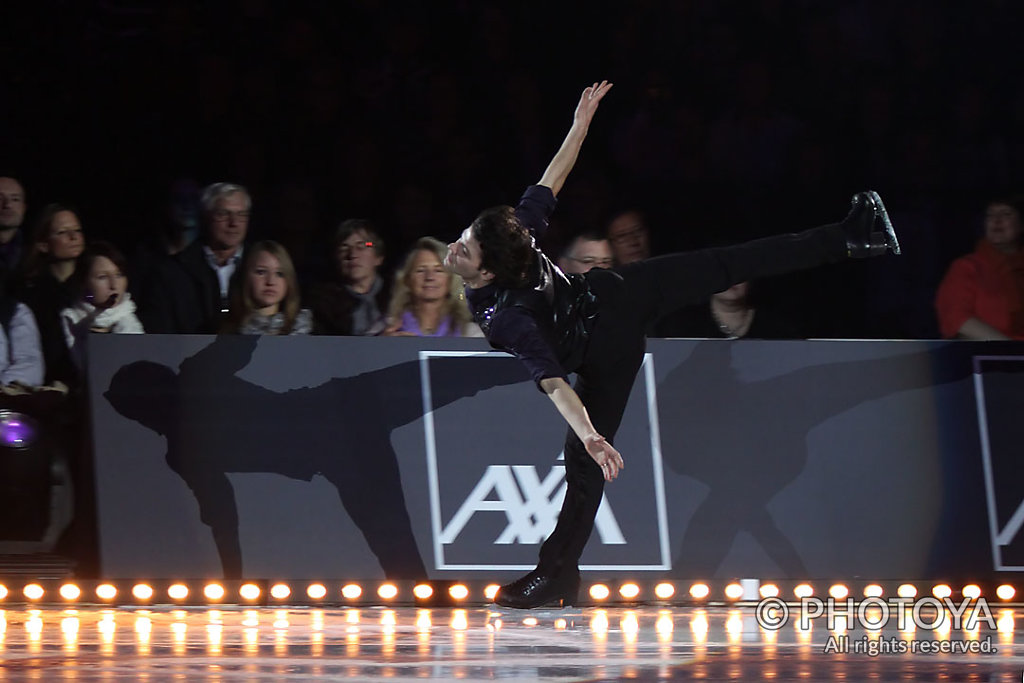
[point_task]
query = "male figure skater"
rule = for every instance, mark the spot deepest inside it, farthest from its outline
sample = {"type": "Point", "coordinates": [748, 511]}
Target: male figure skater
{"type": "Point", "coordinates": [593, 325]}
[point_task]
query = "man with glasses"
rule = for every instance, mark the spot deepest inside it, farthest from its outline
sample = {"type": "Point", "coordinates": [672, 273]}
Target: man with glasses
{"type": "Point", "coordinates": [629, 237]}
{"type": "Point", "coordinates": [192, 289]}
{"type": "Point", "coordinates": [355, 302]}
{"type": "Point", "coordinates": [587, 251]}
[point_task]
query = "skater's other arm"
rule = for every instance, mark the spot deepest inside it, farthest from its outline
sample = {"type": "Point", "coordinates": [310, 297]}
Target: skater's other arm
{"type": "Point", "coordinates": [575, 413]}
{"type": "Point", "coordinates": [563, 161]}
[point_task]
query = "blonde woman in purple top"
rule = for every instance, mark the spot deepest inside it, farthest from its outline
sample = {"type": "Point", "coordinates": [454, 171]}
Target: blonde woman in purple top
{"type": "Point", "coordinates": [427, 300]}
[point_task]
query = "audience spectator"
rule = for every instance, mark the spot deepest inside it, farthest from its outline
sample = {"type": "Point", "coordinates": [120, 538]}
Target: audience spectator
{"type": "Point", "coordinates": [177, 227]}
{"type": "Point", "coordinates": [57, 242]}
{"type": "Point", "coordinates": [428, 301]}
{"type": "Point", "coordinates": [586, 251]}
{"type": "Point", "coordinates": [12, 214]}
{"type": "Point", "coordinates": [190, 293]}
{"type": "Point", "coordinates": [356, 301]}
{"type": "Point", "coordinates": [982, 294]}
{"type": "Point", "coordinates": [266, 300]}
{"type": "Point", "coordinates": [21, 350]}
{"type": "Point", "coordinates": [102, 302]}
{"type": "Point", "coordinates": [731, 314]}
{"type": "Point", "coordinates": [629, 237]}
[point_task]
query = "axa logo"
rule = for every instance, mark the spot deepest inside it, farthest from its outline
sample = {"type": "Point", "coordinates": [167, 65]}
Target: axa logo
{"type": "Point", "coordinates": [998, 383]}
{"type": "Point", "coordinates": [529, 503]}
{"type": "Point", "coordinates": [496, 490]}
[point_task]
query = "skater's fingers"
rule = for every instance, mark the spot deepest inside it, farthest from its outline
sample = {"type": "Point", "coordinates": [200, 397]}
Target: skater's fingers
{"type": "Point", "coordinates": [608, 470]}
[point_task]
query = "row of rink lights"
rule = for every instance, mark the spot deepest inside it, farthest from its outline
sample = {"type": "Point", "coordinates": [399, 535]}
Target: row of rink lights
{"type": "Point", "coordinates": [216, 592]}
{"type": "Point", "coordinates": [599, 592]}
{"type": "Point", "coordinates": [735, 591]}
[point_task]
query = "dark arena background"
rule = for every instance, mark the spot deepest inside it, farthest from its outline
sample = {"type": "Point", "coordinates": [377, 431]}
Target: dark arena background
{"type": "Point", "coordinates": [262, 508]}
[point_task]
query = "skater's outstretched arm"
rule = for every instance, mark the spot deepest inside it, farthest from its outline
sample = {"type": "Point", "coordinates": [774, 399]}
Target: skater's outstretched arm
{"type": "Point", "coordinates": [575, 413]}
{"type": "Point", "coordinates": [560, 166]}
{"type": "Point", "coordinates": [226, 355]}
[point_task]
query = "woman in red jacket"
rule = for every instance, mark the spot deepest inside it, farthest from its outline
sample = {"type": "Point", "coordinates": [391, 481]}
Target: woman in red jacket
{"type": "Point", "coordinates": [982, 294]}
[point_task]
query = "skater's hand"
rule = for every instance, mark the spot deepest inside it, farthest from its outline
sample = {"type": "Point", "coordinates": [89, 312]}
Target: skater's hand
{"type": "Point", "coordinates": [589, 100]}
{"type": "Point", "coordinates": [605, 455]}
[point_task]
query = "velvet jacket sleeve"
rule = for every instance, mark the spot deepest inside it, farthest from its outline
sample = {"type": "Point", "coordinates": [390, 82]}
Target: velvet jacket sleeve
{"type": "Point", "coordinates": [535, 208]}
{"type": "Point", "coordinates": [515, 331]}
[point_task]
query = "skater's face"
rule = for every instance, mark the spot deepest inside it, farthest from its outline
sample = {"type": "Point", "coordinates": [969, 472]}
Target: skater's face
{"type": "Point", "coordinates": [1003, 226]}
{"type": "Point", "coordinates": [464, 259]}
{"type": "Point", "coordinates": [106, 282]}
{"type": "Point", "coordinates": [427, 278]}
{"type": "Point", "coordinates": [267, 283]}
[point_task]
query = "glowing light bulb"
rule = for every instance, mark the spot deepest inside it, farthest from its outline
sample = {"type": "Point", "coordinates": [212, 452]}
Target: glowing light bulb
{"type": "Point", "coordinates": [142, 591]}
{"type": "Point", "coordinates": [664, 591]}
{"type": "Point", "coordinates": [249, 591]}
{"type": "Point", "coordinates": [177, 591]}
{"type": "Point", "coordinates": [70, 591]}
{"type": "Point", "coordinates": [214, 591]}
{"type": "Point", "coordinates": [629, 591]}
{"type": "Point", "coordinates": [106, 591]}
{"type": "Point", "coordinates": [907, 590]}
{"type": "Point", "coordinates": [699, 591]}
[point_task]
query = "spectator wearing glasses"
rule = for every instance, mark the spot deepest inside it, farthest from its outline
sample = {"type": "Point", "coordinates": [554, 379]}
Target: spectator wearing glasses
{"type": "Point", "coordinates": [192, 291]}
{"type": "Point", "coordinates": [629, 237]}
{"type": "Point", "coordinates": [356, 301]}
{"type": "Point", "coordinates": [56, 243]}
{"type": "Point", "coordinates": [586, 251]}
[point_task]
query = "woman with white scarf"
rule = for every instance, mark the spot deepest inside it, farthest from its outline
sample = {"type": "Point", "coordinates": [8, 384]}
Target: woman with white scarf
{"type": "Point", "coordinates": [103, 303]}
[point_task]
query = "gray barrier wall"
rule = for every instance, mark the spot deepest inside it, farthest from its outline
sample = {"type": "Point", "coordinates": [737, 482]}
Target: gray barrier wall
{"type": "Point", "coordinates": [320, 457]}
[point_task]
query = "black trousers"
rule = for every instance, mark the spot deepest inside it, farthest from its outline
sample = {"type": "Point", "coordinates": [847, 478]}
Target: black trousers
{"type": "Point", "coordinates": [629, 299]}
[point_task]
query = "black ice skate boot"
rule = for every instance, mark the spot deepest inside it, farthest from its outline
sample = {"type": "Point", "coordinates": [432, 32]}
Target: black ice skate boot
{"type": "Point", "coordinates": [868, 229]}
{"type": "Point", "coordinates": [539, 589]}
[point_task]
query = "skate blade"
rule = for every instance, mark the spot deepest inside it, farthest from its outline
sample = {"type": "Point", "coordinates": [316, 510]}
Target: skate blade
{"type": "Point", "coordinates": [890, 233]}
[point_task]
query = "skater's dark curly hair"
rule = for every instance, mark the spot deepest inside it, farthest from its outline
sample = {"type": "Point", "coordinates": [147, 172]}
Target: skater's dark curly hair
{"type": "Point", "coordinates": [506, 247]}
